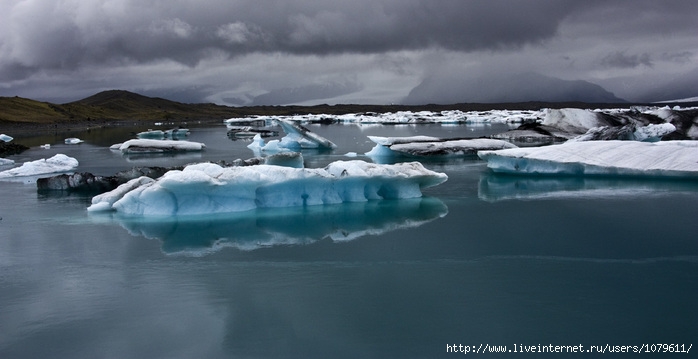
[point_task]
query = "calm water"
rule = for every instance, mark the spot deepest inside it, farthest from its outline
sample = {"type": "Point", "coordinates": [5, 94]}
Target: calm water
{"type": "Point", "coordinates": [481, 259]}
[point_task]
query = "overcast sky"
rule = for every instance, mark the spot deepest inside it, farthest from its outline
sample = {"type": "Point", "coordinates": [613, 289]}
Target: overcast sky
{"type": "Point", "coordinates": [241, 52]}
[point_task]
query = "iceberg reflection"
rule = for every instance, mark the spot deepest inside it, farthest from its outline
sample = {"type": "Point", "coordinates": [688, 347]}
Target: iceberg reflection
{"type": "Point", "coordinates": [250, 230]}
{"type": "Point", "coordinates": [499, 187]}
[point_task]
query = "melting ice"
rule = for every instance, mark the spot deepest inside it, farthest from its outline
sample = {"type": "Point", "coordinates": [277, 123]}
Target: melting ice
{"type": "Point", "coordinates": [209, 188]}
{"type": "Point", "coordinates": [630, 158]}
{"type": "Point", "coordinates": [56, 164]}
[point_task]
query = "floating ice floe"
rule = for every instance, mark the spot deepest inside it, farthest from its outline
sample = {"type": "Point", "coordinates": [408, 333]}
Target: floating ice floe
{"type": "Point", "coordinates": [56, 164]}
{"type": "Point", "coordinates": [207, 188]}
{"type": "Point", "coordinates": [300, 137]}
{"type": "Point", "coordinates": [6, 138]}
{"type": "Point", "coordinates": [618, 158]}
{"type": "Point", "coordinates": [6, 162]}
{"type": "Point", "coordinates": [157, 146]}
{"type": "Point", "coordinates": [401, 117]}
{"type": "Point", "coordinates": [73, 141]}
{"type": "Point", "coordinates": [160, 134]}
{"type": "Point", "coordinates": [235, 132]}
{"type": "Point", "coordinates": [297, 138]}
{"type": "Point", "coordinates": [432, 146]}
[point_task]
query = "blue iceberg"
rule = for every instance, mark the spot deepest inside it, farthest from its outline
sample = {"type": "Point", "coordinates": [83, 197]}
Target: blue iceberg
{"type": "Point", "coordinates": [207, 188]}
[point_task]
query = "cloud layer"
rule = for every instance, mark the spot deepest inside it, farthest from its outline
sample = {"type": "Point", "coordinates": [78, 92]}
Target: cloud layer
{"type": "Point", "coordinates": [296, 51]}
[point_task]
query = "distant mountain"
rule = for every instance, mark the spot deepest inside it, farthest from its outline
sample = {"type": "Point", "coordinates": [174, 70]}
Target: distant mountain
{"type": "Point", "coordinates": [498, 88]}
{"type": "Point", "coordinates": [113, 105]}
{"type": "Point", "coordinates": [118, 105]}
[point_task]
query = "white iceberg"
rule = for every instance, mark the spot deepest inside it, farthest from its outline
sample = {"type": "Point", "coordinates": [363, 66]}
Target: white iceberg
{"type": "Point", "coordinates": [157, 146]}
{"type": "Point", "coordinates": [300, 137]}
{"type": "Point", "coordinates": [56, 164]}
{"type": "Point", "coordinates": [649, 133]}
{"type": "Point", "coordinates": [432, 146]}
{"type": "Point", "coordinates": [618, 158]}
{"type": "Point", "coordinates": [73, 141]}
{"type": "Point", "coordinates": [6, 162]}
{"type": "Point", "coordinates": [208, 188]}
{"type": "Point", "coordinates": [6, 138]}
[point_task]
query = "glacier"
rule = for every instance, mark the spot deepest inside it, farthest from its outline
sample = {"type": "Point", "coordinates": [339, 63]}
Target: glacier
{"type": "Point", "coordinates": [616, 158]}
{"type": "Point", "coordinates": [207, 188]}
{"type": "Point", "coordinates": [56, 164]}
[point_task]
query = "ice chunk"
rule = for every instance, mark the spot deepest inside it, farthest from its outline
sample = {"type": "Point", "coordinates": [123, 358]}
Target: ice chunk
{"type": "Point", "coordinates": [652, 132]}
{"type": "Point", "coordinates": [209, 188]}
{"type": "Point", "coordinates": [104, 201]}
{"type": "Point", "coordinates": [157, 146]}
{"type": "Point", "coordinates": [389, 141]}
{"type": "Point", "coordinates": [300, 137]}
{"type": "Point", "coordinates": [573, 120]}
{"type": "Point", "coordinates": [73, 141]}
{"type": "Point", "coordinates": [432, 146]}
{"type": "Point", "coordinates": [55, 164]}
{"type": "Point", "coordinates": [630, 132]}
{"type": "Point", "coordinates": [5, 138]}
{"type": "Point", "coordinates": [631, 158]}
{"type": "Point", "coordinates": [6, 162]}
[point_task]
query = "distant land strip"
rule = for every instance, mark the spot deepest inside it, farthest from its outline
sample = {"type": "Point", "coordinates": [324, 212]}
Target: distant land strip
{"type": "Point", "coordinates": [114, 107]}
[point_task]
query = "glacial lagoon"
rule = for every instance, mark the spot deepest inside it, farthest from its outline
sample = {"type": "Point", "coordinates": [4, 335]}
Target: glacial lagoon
{"type": "Point", "coordinates": [483, 258]}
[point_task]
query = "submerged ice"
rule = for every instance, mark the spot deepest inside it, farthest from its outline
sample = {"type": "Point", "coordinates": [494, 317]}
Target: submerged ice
{"type": "Point", "coordinates": [628, 158]}
{"type": "Point", "coordinates": [209, 188]}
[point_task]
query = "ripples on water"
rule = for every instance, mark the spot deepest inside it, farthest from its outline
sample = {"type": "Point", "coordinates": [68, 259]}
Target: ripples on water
{"type": "Point", "coordinates": [482, 258]}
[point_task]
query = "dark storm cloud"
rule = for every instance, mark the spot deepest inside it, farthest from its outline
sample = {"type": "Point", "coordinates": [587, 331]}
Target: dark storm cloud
{"type": "Point", "coordinates": [69, 34]}
{"type": "Point", "coordinates": [278, 49]}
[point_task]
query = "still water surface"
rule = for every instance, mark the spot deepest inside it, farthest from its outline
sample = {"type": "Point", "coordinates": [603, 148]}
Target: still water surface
{"type": "Point", "coordinates": [481, 259]}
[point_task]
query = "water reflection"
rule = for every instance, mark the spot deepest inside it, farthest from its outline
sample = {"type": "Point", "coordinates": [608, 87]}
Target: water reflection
{"type": "Point", "coordinates": [499, 187]}
{"type": "Point", "coordinates": [202, 235]}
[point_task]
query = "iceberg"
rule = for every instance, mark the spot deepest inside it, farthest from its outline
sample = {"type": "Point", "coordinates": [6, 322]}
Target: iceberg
{"type": "Point", "coordinates": [300, 137]}
{"type": "Point", "coordinates": [207, 188]}
{"type": "Point", "coordinates": [615, 158]}
{"type": "Point", "coordinates": [56, 164]}
{"type": "Point", "coordinates": [432, 146]}
{"type": "Point", "coordinates": [252, 230]}
{"type": "Point", "coordinates": [157, 146]}
{"type": "Point", "coordinates": [6, 162]}
{"type": "Point", "coordinates": [160, 134]}
{"type": "Point", "coordinates": [6, 138]}
{"type": "Point", "coordinates": [630, 132]}
{"type": "Point", "coordinates": [297, 138]}
{"type": "Point", "coordinates": [73, 141]}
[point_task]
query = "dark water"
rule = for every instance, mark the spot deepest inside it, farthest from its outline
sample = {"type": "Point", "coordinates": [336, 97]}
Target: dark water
{"type": "Point", "coordinates": [481, 259]}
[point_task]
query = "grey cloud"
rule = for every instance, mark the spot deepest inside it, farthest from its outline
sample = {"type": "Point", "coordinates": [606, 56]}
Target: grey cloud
{"type": "Point", "coordinates": [57, 35]}
{"type": "Point", "coordinates": [620, 59]}
{"type": "Point", "coordinates": [305, 93]}
{"type": "Point", "coordinates": [281, 48]}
